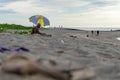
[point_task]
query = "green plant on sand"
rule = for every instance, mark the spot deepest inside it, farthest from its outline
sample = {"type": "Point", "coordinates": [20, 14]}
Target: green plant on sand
{"type": "Point", "coordinates": [18, 29]}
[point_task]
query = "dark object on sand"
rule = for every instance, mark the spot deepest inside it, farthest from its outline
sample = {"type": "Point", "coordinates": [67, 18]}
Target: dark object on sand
{"type": "Point", "coordinates": [60, 51]}
{"type": "Point", "coordinates": [2, 49]}
{"type": "Point", "coordinates": [87, 35]}
{"type": "Point", "coordinates": [74, 36]}
{"type": "Point", "coordinates": [21, 49]}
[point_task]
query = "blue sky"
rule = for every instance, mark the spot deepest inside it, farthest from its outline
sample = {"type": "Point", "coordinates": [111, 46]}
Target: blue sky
{"type": "Point", "coordinates": [69, 13]}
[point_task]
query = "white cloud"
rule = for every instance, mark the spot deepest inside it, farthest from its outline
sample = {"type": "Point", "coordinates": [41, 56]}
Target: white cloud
{"type": "Point", "coordinates": [86, 13]}
{"type": "Point", "coordinates": [40, 7]}
{"type": "Point", "coordinates": [23, 7]}
{"type": "Point", "coordinates": [71, 3]}
{"type": "Point", "coordinates": [105, 16]}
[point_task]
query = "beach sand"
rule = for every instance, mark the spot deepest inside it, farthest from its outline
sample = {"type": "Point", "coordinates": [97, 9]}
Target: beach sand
{"type": "Point", "coordinates": [71, 49]}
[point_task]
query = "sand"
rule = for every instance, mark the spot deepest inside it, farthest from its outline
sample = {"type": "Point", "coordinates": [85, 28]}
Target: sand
{"type": "Point", "coordinates": [102, 53]}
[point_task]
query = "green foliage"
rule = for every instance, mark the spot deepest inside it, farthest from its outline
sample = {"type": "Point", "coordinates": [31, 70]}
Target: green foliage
{"type": "Point", "coordinates": [13, 26]}
{"type": "Point", "coordinates": [18, 29]}
{"type": "Point", "coordinates": [2, 30]}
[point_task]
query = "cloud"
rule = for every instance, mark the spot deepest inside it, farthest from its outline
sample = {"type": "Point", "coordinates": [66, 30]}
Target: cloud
{"type": "Point", "coordinates": [28, 7]}
{"type": "Point", "coordinates": [65, 12]}
{"type": "Point", "coordinates": [7, 12]}
{"type": "Point", "coordinates": [107, 16]}
{"type": "Point", "coordinates": [62, 3]}
{"type": "Point", "coordinates": [99, 3]}
{"type": "Point", "coordinates": [54, 6]}
{"type": "Point", "coordinates": [7, 1]}
{"type": "Point", "coordinates": [43, 7]}
{"type": "Point", "coordinates": [103, 16]}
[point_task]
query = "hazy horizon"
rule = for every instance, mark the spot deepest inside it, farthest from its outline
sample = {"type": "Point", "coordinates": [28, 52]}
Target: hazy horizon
{"type": "Point", "coordinates": [75, 13]}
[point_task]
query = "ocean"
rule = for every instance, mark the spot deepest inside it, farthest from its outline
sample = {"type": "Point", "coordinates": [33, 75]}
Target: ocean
{"type": "Point", "coordinates": [96, 29]}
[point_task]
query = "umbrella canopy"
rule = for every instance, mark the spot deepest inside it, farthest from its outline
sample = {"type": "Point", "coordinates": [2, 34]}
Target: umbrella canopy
{"type": "Point", "coordinates": [43, 21]}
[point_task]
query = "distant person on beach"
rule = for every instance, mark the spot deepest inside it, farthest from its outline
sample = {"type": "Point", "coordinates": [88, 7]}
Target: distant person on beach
{"type": "Point", "coordinates": [92, 32]}
{"type": "Point", "coordinates": [111, 30]}
{"type": "Point", "coordinates": [98, 33]}
{"type": "Point", "coordinates": [35, 29]}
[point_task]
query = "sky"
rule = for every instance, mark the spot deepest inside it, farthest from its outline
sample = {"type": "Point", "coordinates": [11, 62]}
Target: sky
{"type": "Point", "coordinates": [68, 13]}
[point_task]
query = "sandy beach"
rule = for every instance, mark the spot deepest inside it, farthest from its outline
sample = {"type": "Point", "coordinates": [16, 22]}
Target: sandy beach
{"type": "Point", "coordinates": [71, 49]}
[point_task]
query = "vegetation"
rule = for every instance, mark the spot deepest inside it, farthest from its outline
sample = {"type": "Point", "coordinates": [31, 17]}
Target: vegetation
{"type": "Point", "coordinates": [18, 29]}
{"type": "Point", "coordinates": [13, 26]}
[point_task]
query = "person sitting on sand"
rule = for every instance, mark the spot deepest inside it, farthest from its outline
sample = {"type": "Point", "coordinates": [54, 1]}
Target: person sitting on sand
{"type": "Point", "coordinates": [35, 30]}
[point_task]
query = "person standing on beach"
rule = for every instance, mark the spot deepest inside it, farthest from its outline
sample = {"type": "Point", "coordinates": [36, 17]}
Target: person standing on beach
{"type": "Point", "coordinates": [97, 33]}
{"type": "Point", "coordinates": [92, 32]}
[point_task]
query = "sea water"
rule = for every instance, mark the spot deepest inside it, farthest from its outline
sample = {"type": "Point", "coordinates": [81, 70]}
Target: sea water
{"type": "Point", "coordinates": [96, 29]}
{"type": "Point", "coordinates": [91, 28]}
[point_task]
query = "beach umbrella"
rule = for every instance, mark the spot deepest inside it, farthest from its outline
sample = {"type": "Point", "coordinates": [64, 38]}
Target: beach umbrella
{"type": "Point", "coordinates": [39, 19]}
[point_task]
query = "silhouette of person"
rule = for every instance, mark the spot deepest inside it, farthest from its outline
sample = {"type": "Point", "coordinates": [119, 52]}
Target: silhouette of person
{"type": "Point", "coordinates": [97, 33]}
{"type": "Point", "coordinates": [92, 32]}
